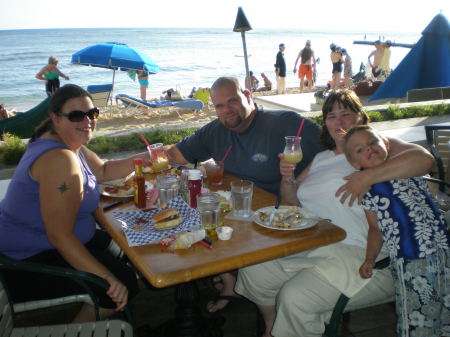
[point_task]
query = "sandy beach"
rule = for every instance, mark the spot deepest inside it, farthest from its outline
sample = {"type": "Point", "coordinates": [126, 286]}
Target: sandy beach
{"type": "Point", "coordinates": [116, 120]}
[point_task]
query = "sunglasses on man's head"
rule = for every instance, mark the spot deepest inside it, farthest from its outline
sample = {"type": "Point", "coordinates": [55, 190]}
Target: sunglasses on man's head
{"type": "Point", "coordinates": [78, 115]}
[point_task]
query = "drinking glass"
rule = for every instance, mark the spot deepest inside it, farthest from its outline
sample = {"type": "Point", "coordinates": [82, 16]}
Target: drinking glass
{"type": "Point", "coordinates": [214, 172]}
{"type": "Point", "coordinates": [208, 205]}
{"type": "Point", "coordinates": [293, 151]}
{"type": "Point", "coordinates": [241, 198]}
{"type": "Point", "coordinates": [158, 157]}
{"type": "Point", "coordinates": [168, 186]}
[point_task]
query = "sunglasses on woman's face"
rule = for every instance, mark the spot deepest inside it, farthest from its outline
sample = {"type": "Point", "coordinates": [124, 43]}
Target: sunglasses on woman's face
{"type": "Point", "coordinates": [78, 116]}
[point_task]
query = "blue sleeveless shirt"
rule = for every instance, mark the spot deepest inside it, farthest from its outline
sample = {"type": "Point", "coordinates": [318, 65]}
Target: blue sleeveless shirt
{"type": "Point", "coordinates": [22, 231]}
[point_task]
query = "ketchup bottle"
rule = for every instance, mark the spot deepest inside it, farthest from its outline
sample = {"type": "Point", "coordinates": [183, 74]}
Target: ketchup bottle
{"type": "Point", "coordinates": [195, 186]}
{"type": "Point", "coordinates": [140, 198]}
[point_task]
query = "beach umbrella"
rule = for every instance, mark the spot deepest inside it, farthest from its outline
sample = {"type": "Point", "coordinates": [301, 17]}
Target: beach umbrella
{"type": "Point", "coordinates": [427, 65]}
{"type": "Point", "coordinates": [115, 55]}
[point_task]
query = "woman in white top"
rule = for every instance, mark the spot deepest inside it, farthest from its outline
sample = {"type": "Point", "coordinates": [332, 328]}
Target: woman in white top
{"type": "Point", "coordinates": [296, 294]}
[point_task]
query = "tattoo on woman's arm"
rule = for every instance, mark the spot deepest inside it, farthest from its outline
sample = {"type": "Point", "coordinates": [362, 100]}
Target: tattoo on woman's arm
{"type": "Point", "coordinates": [63, 188]}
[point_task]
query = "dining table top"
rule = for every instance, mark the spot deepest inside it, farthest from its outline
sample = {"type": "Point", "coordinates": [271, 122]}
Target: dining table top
{"type": "Point", "coordinates": [249, 244]}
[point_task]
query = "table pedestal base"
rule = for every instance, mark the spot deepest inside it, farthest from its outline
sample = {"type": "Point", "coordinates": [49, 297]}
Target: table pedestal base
{"type": "Point", "coordinates": [189, 321]}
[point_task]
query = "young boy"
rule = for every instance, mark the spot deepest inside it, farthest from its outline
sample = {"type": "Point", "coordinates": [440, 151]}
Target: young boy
{"type": "Point", "coordinates": [402, 213]}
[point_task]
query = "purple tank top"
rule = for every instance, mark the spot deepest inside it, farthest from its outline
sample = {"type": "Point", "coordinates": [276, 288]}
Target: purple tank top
{"type": "Point", "coordinates": [22, 232]}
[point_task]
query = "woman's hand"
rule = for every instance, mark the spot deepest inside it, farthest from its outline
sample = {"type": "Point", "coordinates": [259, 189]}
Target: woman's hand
{"type": "Point", "coordinates": [117, 291]}
{"type": "Point", "coordinates": [356, 187]}
{"type": "Point", "coordinates": [286, 169]}
{"type": "Point", "coordinates": [366, 269]}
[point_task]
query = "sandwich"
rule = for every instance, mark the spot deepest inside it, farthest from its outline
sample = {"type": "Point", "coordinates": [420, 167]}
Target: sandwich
{"type": "Point", "coordinates": [167, 219]}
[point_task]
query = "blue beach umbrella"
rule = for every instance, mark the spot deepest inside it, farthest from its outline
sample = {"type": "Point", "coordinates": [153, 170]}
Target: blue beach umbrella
{"type": "Point", "coordinates": [427, 65]}
{"type": "Point", "coordinates": [115, 55]}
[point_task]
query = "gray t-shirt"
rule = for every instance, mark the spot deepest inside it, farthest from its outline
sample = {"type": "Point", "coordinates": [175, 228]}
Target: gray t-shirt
{"type": "Point", "coordinates": [255, 151]}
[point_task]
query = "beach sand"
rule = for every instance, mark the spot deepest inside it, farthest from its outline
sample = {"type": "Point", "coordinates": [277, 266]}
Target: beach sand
{"type": "Point", "coordinates": [116, 120]}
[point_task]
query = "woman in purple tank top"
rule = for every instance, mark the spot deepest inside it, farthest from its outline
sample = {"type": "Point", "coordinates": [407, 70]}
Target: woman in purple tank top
{"type": "Point", "coordinates": [47, 215]}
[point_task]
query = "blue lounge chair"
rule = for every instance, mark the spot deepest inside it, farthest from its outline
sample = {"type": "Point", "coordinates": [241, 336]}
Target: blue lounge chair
{"type": "Point", "coordinates": [100, 94]}
{"type": "Point", "coordinates": [191, 104]}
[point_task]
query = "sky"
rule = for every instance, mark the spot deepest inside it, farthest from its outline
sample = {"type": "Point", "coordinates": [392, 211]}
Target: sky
{"type": "Point", "coordinates": [380, 15]}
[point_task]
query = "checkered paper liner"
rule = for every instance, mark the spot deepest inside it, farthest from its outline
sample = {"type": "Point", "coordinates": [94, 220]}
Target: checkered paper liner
{"type": "Point", "coordinates": [138, 225]}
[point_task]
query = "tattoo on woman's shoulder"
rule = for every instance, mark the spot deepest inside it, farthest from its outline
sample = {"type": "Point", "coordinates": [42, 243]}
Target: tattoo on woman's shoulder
{"type": "Point", "coordinates": [63, 187]}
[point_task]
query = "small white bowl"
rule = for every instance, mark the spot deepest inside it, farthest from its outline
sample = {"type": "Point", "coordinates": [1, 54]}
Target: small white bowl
{"type": "Point", "coordinates": [224, 232]}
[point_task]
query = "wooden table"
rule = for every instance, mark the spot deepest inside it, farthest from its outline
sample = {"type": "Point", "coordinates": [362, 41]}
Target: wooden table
{"type": "Point", "coordinates": [249, 244]}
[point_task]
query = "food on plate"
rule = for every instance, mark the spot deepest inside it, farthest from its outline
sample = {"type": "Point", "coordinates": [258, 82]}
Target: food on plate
{"type": "Point", "coordinates": [167, 219]}
{"type": "Point", "coordinates": [285, 218]}
{"type": "Point", "coordinates": [111, 190]}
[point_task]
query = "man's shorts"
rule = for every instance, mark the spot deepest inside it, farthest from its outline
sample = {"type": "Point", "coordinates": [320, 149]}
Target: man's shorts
{"type": "Point", "coordinates": [305, 70]}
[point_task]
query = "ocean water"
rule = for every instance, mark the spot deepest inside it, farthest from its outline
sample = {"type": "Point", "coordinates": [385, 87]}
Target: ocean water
{"type": "Point", "coordinates": [187, 57]}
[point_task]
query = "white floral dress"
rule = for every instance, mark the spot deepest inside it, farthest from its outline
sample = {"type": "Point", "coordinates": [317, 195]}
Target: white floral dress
{"type": "Point", "coordinates": [415, 233]}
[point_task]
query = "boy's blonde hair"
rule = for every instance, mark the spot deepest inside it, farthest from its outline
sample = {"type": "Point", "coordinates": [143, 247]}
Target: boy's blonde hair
{"type": "Point", "coordinates": [354, 130]}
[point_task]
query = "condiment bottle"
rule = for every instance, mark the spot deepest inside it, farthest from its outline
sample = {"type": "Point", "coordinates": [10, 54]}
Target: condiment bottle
{"type": "Point", "coordinates": [195, 186]}
{"type": "Point", "coordinates": [139, 182]}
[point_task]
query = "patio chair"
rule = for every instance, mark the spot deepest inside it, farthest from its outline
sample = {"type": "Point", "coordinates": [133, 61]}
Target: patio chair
{"type": "Point", "coordinates": [84, 279]}
{"type": "Point", "coordinates": [332, 329]}
{"type": "Point", "coordinates": [99, 328]}
{"type": "Point", "coordinates": [100, 94]}
{"type": "Point", "coordinates": [438, 137]}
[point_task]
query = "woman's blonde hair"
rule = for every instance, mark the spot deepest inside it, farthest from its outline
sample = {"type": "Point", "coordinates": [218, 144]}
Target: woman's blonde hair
{"type": "Point", "coordinates": [52, 60]}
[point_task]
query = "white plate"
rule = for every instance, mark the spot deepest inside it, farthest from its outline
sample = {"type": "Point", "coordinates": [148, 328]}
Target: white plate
{"type": "Point", "coordinates": [308, 221]}
{"type": "Point", "coordinates": [120, 193]}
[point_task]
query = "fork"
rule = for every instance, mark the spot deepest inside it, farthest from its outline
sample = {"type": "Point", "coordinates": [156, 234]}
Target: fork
{"type": "Point", "coordinates": [275, 210]}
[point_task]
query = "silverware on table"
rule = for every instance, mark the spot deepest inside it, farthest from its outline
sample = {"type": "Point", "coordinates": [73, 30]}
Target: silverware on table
{"type": "Point", "coordinates": [275, 210]}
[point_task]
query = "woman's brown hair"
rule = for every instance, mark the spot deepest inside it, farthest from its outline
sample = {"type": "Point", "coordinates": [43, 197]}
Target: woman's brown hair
{"type": "Point", "coordinates": [347, 99]}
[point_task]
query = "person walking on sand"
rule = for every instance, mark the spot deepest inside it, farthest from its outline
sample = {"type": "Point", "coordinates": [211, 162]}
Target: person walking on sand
{"type": "Point", "coordinates": [307, 66]}
{"type": "Point", "coordinates": [50, 74]}
{"type": "Point", "coordinates": [386, 59]}
{"type": "Point", "coordinates": [280, 70]}
{"type": "Point", "coordinates": [402, 213]}
{"type": "Point", "coordinates": [347, 68]}
{"type": "Point", "coordinates": [143, 81]}
{"type": "Point", "coordinates": [377, 55]}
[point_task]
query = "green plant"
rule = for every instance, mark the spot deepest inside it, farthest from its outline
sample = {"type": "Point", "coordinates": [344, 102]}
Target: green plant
{"type": "Point", "coordinates": [13, 149]}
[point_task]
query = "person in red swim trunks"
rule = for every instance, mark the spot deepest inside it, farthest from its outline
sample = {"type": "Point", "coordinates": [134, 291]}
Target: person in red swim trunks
{"type": "Point", "coordinates": [307, 66]}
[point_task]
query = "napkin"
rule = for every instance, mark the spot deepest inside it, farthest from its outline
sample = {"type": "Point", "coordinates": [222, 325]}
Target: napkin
{"type": "Point", "coordinates": [138, 225]}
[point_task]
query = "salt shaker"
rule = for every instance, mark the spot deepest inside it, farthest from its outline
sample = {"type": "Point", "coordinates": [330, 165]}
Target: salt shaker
{"type": "Point", "coordinates": [195, 186]}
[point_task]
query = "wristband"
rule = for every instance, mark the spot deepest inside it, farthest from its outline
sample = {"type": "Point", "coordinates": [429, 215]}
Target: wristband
{"type": "Point", "coordinates": [289, 181]}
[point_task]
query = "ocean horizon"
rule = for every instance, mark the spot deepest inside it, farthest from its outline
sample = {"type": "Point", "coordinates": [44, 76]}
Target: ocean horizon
{"type": "Point", "coordinates": [188, 57]}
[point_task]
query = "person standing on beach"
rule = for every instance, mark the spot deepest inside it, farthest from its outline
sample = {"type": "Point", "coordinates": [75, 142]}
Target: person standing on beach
{"type": "Point", "coordinates": [386, 59]}
{"type": "Point", "coordinates": [50, 74]}
{"type": "Point", "coordinates": [280, 70]}
{"type": "Point", "coordinates": [347, 68]}
{"type": "Point", "coordinates": [377, 55]}
{"type": "Point", "coordinates": [307, 66]}
{"type": "Point", "coordinates": [336, 60]}
{"type": "Point", "coordinates": [143, 81]}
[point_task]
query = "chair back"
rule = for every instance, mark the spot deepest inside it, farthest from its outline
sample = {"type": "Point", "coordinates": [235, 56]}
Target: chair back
{"type": "Point", "coordinates": [438, 137]}
{"type": "Point", "coordinates": [4, 187]}
{"type": "Point", "coordinates": [100, 94]}
{"type": "Point", "coordinates": [6, 313]}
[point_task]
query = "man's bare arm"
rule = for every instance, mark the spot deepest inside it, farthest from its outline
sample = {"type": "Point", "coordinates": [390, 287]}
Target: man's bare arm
{"type": "Point", "coordinates": [175, 155]}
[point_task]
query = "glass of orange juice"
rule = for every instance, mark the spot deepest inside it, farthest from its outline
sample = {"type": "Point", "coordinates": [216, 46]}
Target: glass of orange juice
{"type": "Point", "coordinates": [158, 157]}
{"type": "Point", "coordinates": [293, 151]}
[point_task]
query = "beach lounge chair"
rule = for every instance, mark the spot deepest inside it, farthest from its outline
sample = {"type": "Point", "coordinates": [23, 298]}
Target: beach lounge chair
{"type": "Point", "coordinates": [23, 124]}
{"type": "Point", "coordinates": [100, 94]}
{"type": "Point", "coordinates": [190, 104]}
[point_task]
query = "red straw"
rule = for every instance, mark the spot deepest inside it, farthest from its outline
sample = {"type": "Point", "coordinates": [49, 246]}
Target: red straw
{"type": "Point", "coordinates": [146, 143]}
{"type": "Point", "coordinates": [299, 130]}
{"type": "Point", "coordinates": [298, 133]}
{"type": "Point", "coordinates": [226, 154]}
